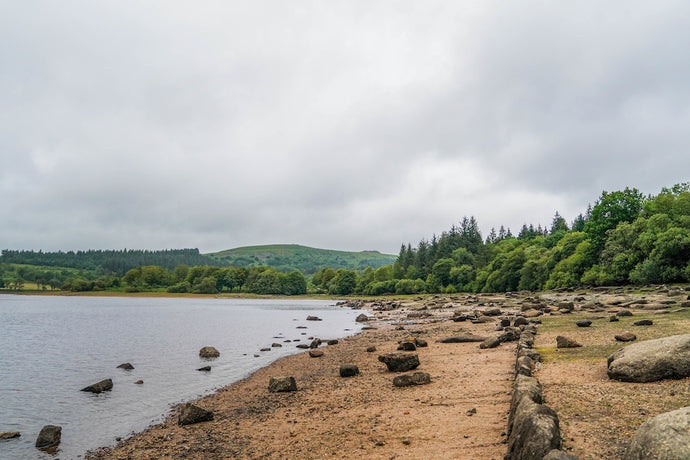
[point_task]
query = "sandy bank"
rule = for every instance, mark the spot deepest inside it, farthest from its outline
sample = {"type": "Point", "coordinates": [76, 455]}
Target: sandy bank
{"type": "Point", "coordinates": [462, 413]}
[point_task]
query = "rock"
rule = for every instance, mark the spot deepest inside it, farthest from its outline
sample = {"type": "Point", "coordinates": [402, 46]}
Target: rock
{"type": "Point", "coordinates": [303, 346]}
{"type": "Point", "coordinates": [190, 414]}
{"type": "Point", "coordinates": [666, 436]}
{"type": "Point", "coordinates": [643, 322]}
{"type": "Point", "coordinates": [126, 366]}
{"type": "Point", "coordinates": [139, 382]}
{"type": "Point", "coordinates": [559, 455]}
{"type": "Point", "coordinates": [491, 342]}
{"type": "Point", "coordinates": [406, 380]}
{"type": "Point", "coordinates": [583, 323]}
{"type": "Point", "coordinates": [463, 338]}
{"type": "Point", "coordinates": [407, 346]}
{"type": "Point", "coordinates": [348, 370]}
{"type": "Point", "coordinates": [520, 320]}
{"type": "Point", "coordinates": [504, 322]}
{"type": "Point", "coordinates": [332, 342]}
{"type": "Point", "coordinates": [524, 365]}
{"type": "Point", "coordinates": [565, 306]}
{"type": "Point", "coordinates": [613, 318]}
{"type": "Point", "coordinates": [265, 349]}
{"type": "Point", "coordinates": [625, 337]}
{"type": "Point", "coordinates": [282, 384]}
{"type": "Point", "coordinates": [493, 312]}
{"type": "Point", "coordinates": [316, 353]}
{"type": "Point", "coordinates": [209, 352]}
{"type": "Point", "coordinates": [103, 385]}
{"type": "Point", "coordinates": [315, 343]}
{"type": "Point", "coordinates": [371, 349]}
{"type": "Point", "coordinates": [565, 342]}
{"type": "Point", "coordinates": [532, 313]}
{"type": "Point", "coordinates": [421, 343]}
{"type": "Point", "coordinates": [510, 334]}
{"type": "Point", "coordinates": [9, 434]}
{"type": "Point", "coordinates": [400, 362]}
{"type": "Point", "coordinates": [362, 318]}
{"type": "Point", "coordinates": [205, 369]}
{"type": "Point", "coordinates": [313, 318]}
{"type": "Point", "coordinates": [276, 345]}
{"type": "Point", "coordinates": [49, 437]}
{"type": "Point", "coordinates": [652, 360]}
{"type": "Point", "coordinates": [535, 431]}
{"type": "Point", "coordinates": [624, 312]}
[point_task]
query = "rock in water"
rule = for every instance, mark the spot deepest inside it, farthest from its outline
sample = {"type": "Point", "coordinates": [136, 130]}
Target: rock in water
{"type": "Point", "coordinates": [125, 366]}
{"type": "Point", "coordinates": [362, 318]}
{"type": "Point", "coordinates": [191, 414]}
{"type": "Point", "coordinates": [348, 370]}
{"type": "Point", "coordinates": [666, 436]}
{"type": "Point", "coordinates": [9, 434]}
{"type": "Point", "coordinates": [313, 318]}
{"type": "Point", "coordinates": [400, 362]}
{"type": "Point", "coordinates": [103, 385]}
{"type": "Point", "coordinates": [209, 352]}
{"type": "Point", "coordinates": [652, 360]}
{"type": "Point", "coordinates": [205, 369]}
{"type": "Point", "coordinates": [565, 342]}
{"type": "Point", "coordinates": [282, 384]}
{"type": "Point", "coordinates": [49, 437]}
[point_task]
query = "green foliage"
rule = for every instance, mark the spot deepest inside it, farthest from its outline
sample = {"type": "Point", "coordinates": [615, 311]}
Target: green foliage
{"type": "Point", "coordinates": [610, 210]}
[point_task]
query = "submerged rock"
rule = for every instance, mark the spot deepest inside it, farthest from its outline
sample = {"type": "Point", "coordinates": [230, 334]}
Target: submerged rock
{"type": "Point", "coordinates": [126, 366]}
{"type": "Point", "coordinates": [49, 437]}
{"type": "Point", "coordinates": [99, 387]}
{"type": "Point", "coordinates": [9, 434]}
{"type": "Point", "coordinates": [205, 369]}
{"type": "Point", "coordinates": [209, 352]}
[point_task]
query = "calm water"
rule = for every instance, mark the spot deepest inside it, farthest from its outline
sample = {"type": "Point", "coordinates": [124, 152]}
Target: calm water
{"type": "Point", "coordinates": [51, 347]}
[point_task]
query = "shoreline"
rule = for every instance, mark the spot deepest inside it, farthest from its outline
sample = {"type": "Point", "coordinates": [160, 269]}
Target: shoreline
{"type": "Point", "coordinates": [352, 417]}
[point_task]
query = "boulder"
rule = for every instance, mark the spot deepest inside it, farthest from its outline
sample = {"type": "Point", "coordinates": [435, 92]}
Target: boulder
{"type": "Point", "coordinates": [303, 346]}
{"type": "Point", "coordinates": [9, 434]}
{"type": "Point", "coordinates": [99, 387]}
{"type": "Point", "coordinates": [491, 342]}
{"type": "Point", "coordinates": [205, 369]}
{"type": "Point", "coordinates": [613, 319]}
{"type": "Point", "coordinates": [463, 338]}
{"type": "Point", "coordinates": [362, 318]}
{"type": "Point", "coordinates": [565, 342]}
{"type": "Point", "coordinates": [624, 312]}
{"type": "Point", "coordinates": [406, 380]}
{"type": "Point", "coordinates": [652, 360]}
{"type": "Point", "coordinates": [510, 334]}
{"type": "Point", "coordinates": [332, 342]}
{"type": "Point", "coordinates": [643, 322]}
{"type": "Point", "coordinates": [407, 346]}
{"type": "Point", "coordinates": [348, 370]}
{"type": "Point", "coordinates": [535, 431]}
{"type": "Point", "coordinates": [316, 353]}
{"type": "Point", "coordinates": [400, 362]}
{"type": "Point", "coordinates": [583, 323]}
{"type": "Point", "coordinates": [559, 455]}
{"type": "Point", "coordinates": [493, 312]}
{"type": "Point", "coordinates": [520, 320]}
{"type": "Point", "coordinates": [282, 384]}
{"type": "Point", "coordinates": [421, 343]}
{"type": "Point", "coordinates": [209, 352]}
{"type": "Point", "coordinates": [190, 414]}
{"type": "Point", "coordinates": [276, 345]}
{"type": "Point", "coordinates": [315, 343]}
{"type": "Point", "coordinates": [625, 337]}
{"type": "Point", "coordinates": [49, 437]}
{"type": "Point", "coordinates": [666, 436]}
{"type": "Point", "coordinates": [126, 366]}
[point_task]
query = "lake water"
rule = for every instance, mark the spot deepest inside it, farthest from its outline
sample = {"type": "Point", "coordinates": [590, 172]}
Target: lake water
{"type": "Point", "coordinates": [51, 347]}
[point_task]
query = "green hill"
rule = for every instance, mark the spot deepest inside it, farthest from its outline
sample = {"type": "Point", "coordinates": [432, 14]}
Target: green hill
{"type": "Point", "coordinates": [303, 258]}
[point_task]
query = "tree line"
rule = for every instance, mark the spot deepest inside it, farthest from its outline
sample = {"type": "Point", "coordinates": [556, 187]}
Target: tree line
{"type": "Point", "coordinates": [624, 238]}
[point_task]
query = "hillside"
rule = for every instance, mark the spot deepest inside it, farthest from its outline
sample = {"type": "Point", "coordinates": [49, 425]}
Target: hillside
{"type": "Point", "coordinates": [303, 258]}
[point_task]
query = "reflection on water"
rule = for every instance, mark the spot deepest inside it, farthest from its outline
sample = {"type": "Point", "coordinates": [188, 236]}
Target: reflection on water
{"type": "Point", "coordinates": [51, 347]}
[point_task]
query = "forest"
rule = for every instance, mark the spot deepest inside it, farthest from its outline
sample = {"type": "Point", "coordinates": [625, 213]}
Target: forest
{"type": "Point", "coordinates": [624, 238]}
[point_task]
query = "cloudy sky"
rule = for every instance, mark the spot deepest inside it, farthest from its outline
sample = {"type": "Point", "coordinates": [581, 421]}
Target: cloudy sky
{"type": "Point", "coordinates": [347, 125]}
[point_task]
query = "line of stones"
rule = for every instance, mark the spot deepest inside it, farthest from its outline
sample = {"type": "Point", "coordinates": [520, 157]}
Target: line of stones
{"type": "Point", "coordinates": [533, 428]}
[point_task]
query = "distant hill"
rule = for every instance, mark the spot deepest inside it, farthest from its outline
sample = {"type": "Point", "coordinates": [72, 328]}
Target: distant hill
{"type": "Point", "coordinates": [303, 258]}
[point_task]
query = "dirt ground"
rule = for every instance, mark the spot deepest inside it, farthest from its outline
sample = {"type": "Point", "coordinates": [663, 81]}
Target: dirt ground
{"type": "Point", "coordinates": [462, 413]}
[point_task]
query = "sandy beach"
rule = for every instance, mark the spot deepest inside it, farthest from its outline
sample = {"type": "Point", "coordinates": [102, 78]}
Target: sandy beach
{"type": "Point", "coordinates": [462, 413]}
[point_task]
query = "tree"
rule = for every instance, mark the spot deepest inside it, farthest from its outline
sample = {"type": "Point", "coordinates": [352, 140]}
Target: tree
{"type": "Point", "coordinates": [558, 224]}
{"type": "Point", "coordinates": [344, 282]}
{"type": "Point", "coordinates": [610, 210]}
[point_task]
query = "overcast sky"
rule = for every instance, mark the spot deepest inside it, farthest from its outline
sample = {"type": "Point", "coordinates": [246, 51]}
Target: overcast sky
{"type": "Point", "coordinates": [352, 125]}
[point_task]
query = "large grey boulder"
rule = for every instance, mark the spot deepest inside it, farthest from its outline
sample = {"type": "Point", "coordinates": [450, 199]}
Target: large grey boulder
{"type": "Point", "coordinates": [664, 437]}
{"type": "Point", "coordinates": [49, 437]}
{"type": "Point", "coordinates": [191, 414]}
{"type": "Point", "coordinates": [535, 431]}
{"type": "Point", "coordinates": [99, 387]}
{"type": "Point", "coordinates": [652, 360]}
